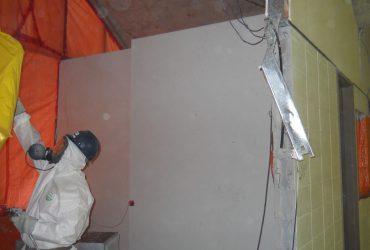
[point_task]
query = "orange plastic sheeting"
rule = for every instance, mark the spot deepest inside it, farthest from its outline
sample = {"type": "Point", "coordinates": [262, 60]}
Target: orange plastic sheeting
{"type": "Point", "coordinates": [41, 27]}
{"type": "Point", "coordinates": [38, 21]}
{"type": "Point", "coordinates": [38, 93]}
{"type": "Point", "coordinates": [363, 140]}
{"type": "Point", "coordinates": [11, 12]}
{"type": "Point", "coordinates": [45, 24]}
{"type": "Point", "coordinates": [3, 175]}
{"type": "Point", "coordinates": [86, 33]}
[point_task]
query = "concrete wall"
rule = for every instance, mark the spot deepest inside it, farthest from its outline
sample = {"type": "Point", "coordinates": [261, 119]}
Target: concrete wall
{"type": "Point", "coordinates": [199, 142]}
{"type": "Point", "coordinates": [94, 94]}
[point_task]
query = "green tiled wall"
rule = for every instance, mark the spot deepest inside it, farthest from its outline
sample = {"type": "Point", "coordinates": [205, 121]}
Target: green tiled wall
{"type": "Point", "coordinates": [364, 207]}
{"type": "Point", "coordinates": [319, 217]}
{"type": "Point", "coordinates": [332, 27]}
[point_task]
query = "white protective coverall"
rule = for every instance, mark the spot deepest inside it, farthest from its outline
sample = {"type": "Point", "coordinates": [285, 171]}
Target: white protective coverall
{"type": "Point", "coordinates": [61, 200]}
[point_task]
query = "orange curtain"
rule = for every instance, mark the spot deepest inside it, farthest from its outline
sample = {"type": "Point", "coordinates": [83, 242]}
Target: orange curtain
{"type": "Point", "coordinates": [49, 32]}
{"type": "Point", "coordinates": [38, 93]}
{"type": "Point", "coordinates": [86, 33]}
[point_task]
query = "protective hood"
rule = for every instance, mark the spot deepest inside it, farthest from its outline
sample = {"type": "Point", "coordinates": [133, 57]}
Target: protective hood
{"type": "Point", "coordinates": [73, 158]}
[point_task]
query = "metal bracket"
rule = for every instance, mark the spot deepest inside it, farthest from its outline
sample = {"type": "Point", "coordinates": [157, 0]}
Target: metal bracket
{"type": "Point", "coordinates": [282, 96]}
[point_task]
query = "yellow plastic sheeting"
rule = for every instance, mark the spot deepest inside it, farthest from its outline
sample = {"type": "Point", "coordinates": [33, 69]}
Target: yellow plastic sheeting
{"type": "Point", "coordinates": [11, 55]}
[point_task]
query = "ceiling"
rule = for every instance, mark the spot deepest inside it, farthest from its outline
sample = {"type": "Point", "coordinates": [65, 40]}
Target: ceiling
{"type": "Point", "coordinates": [129, 19]}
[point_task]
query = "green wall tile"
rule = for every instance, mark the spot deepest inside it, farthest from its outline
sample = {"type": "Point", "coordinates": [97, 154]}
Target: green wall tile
{"type": "Point", "coordinates": [304, 229]}
{"type": "Point", "coordinates": [337, 209]}
{"type": "Point", "coordinates": [326, 164]}
{"type": "Point", "coordinates": [337, 188]}
{"type": "Point", "coordinates": [303, 173]}
{"type": "Point", "coordinates": [329, 238]}
{"type": "Point", "coordinates": [338, 231]}
{"type": "Point", "coordinates": [318, 242]}
{"type": "Point", "coordinates": [316, 97]}
{"type": "Point", "coordinates": [315, 137]}
{"type": "Point", "coordinates": [304, 200]}
{"type": "Point", "coordinates": [316, 195]}
{"type": "Point", "coordinates": [308, 246]}
{"type": "Point", "coordinates": [328, 190]}
{"type": "Point", "coordinates": [328, 214]}
{"type": "Point", "coordinates": [317, 221]}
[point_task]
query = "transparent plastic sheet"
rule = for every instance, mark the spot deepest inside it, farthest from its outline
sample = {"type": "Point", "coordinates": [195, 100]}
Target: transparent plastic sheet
{"type": "Point", "coordinates": [363, 136]}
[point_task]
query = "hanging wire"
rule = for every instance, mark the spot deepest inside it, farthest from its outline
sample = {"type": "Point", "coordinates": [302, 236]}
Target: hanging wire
{"type": "Point", "coordinates": [240, 19]}
{"type": "Point", "coordinates": [241, 37]}
{"type": "Point", "coordinates": [269, 167]}
{"type": "Point", "coordinates": [255, 3]}
{"type": "Point", "coordinates": [114, 225]}
{"type": "Point", "coordinates": [296, 206]}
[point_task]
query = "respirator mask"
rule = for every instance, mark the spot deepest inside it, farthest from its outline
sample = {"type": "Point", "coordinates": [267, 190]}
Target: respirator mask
{"type": "Point", "coordinates": [38, 151]}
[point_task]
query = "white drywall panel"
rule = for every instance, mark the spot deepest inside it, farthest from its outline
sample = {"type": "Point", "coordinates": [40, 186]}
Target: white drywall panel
{"type": "Point", "coordinates": [94, 94]}
{"type": "Point", "coordinates": [199, 141]}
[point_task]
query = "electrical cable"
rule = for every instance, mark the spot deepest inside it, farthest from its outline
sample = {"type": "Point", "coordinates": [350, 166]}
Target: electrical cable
{"type": "Point", "coordinates": [240, 36]}
{"type": "Point", "coordinates": [267, 182]}
{"type": "Point", "coordinates": [295, 221]}
{"type": "Point", "coordinates": [282, 130]}
{"type": "Point", "coordinates": [242, 22]}
{"type": "Point", "coordinates": [296, 207]}
{"type": "Point", "coordinates": [115, 225]}
{"type": "Point", "coordinates": [256, 4]}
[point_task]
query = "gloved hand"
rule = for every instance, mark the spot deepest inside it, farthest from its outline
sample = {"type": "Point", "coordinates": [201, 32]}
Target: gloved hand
{"type": "Point", "coordinates": [19, 108]}
{"type": "Point", "coordinates": [24, 223]}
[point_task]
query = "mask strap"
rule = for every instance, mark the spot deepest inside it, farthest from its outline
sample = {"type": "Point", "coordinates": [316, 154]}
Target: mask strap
{"type": "Point", "coordinates": [40, 169]}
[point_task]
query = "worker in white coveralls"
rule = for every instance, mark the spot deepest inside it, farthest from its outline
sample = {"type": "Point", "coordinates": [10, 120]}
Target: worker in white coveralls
{"type": "Point", "coordinates": [58, 212]}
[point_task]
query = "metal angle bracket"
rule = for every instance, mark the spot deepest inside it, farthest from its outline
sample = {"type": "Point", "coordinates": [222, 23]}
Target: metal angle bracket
{"type": "Point", "coordinates": [282, 96]}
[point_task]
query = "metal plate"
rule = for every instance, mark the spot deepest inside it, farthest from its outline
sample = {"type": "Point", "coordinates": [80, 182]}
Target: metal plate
{"type": "Point", "coordinates": [283, 98]}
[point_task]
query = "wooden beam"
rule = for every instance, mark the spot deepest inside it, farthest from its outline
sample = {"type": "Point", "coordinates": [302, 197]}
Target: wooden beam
{"type": "Point", "coordinates": [111, 25]}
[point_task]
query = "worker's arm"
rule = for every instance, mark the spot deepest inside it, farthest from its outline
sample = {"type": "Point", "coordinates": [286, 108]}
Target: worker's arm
{"type": "Point", "coordinates": [26, 133]}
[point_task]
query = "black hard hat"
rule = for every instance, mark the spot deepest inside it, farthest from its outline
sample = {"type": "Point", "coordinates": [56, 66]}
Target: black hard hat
{"type": "Point", "coordinates": [87, 142]}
